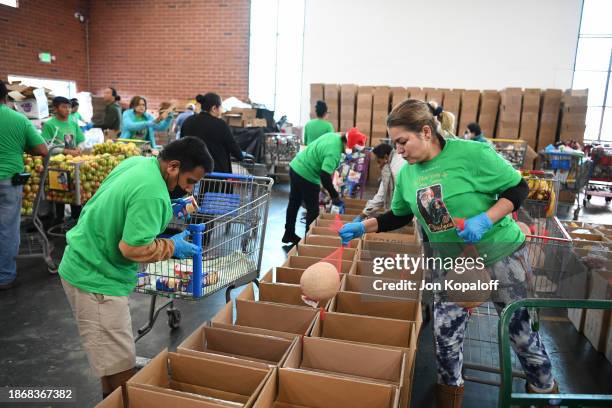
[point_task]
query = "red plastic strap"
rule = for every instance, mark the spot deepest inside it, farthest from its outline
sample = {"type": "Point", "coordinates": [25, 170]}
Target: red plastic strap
{"type": "Point", "coordinates": [322, 314]}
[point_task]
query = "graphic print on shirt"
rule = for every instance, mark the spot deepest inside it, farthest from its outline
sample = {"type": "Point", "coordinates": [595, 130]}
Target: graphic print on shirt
{"type": "Point", "coordinates": [433, 210]}
{"type": "Point", "coordinates": [69, 141]}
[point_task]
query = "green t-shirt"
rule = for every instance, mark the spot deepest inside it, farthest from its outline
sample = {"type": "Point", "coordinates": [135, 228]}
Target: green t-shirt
{"type": "Point", "coordinates": [322, 154]}
{"type": "Point", "coordinates": [316, 128]}
{"type": "Point", "coordinates": [66, 132]}
{"type": "Point", "coordinates": [76, 116]}
{"type": "Point", "coordinates": [133, 205]}
{"type": "Point", "coordinates": [17, 134]}
{"type": "Point", "coordinates": [464, 180]}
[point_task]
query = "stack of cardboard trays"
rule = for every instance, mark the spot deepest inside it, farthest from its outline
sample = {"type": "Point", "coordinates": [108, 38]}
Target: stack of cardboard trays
{"type": "Point", "coordinates": [573, 117]}
{"type": "Point", "coordinates": [530, 117]}
{"type": "Point", "coordinates": [549, 117]}
{"type": "Point", "coordinates": [380, 111]}
{"type": "Point", "coordinates": [348, 103]}
{"type": "Point", "coordinates": [508, 125]}
{"type": "Point", "coordinates": [487, 117]}
{"type": "Point", "coordinates": [316, 94]}
{"type": "Point", "coordinates": [331, 92]}
{"type": "Point", "coordinates": [452, 103]}
{"type": "Point", "coordinates": [470, 101]}
{"type": "Point", "coordinates": [363, 119]}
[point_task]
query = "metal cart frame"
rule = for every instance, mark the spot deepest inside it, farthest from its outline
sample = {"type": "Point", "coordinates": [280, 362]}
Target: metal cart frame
{"type": "Point", "coordinates": [279, 155]}
{"type": "Point", "coordinates": [230, 227]}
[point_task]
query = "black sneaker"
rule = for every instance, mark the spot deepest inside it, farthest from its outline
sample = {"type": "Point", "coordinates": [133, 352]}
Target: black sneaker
{"type": "Point", "coordinates": [291, 238]}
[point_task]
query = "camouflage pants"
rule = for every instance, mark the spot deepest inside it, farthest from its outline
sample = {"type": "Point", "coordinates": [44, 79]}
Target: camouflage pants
{"type": "Point", "coordinates": [450, 323]}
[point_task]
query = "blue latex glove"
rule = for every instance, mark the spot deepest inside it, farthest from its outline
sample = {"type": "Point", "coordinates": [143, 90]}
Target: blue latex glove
{"type": "Point", "coordinates": [338, 201]}
{"type": "Point", "coordinates": [351, 231]}
{"type": "Point", "coordinates": [89, 126]}
{"type": "Point", "coordinates": [475, 228]}
{"type": "Point", "coordinates": [358, 218]}
{"type": "Point", "coordinates": [182, 248]}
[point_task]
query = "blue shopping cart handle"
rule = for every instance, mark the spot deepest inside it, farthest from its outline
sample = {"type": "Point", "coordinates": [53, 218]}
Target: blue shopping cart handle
{"type": "Point", "coordinates": [228, 176]}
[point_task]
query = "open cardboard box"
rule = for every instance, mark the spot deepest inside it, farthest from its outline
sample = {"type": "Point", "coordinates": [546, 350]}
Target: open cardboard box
{"type": "Point", "coordinates": [355, 203]}
{"type": "Point", "coordinates": [303, 262]}
{"type": "Point", "coordinates": [148, 398]}
{"type": "Point", "coordinates": [353, 360]}
{"type": "Point", "coordinates": [321, 252]}
{"type": "Point", "coordinates": [378, 306]}
{"type": "Point", "coordinates": [327, 223]}
{"type": "Point", "coordinates": [281, 274]}
{"type": "Point", "coordinates": [366, 268]}
{"type": "Point", "coordinates": [201, 379]}
{"type": "Point", "coordinates": [329, 241]}
{"type": "Point", "coordinates": [329, 216]}
{"type": "Point", "coordinates": [391, 237]}
{"type": "Point", "coordinates": [393, 248]}
{"type": "Point", "coordinates": [230, 346]}
{"type": "Point", "coordinates": [322, 231]}
{"type": "Point", "coordinates": [283, 293]}
{"type": "Point", "coordinates": [266, 318]}
{"type": "Point", "coordinates": [290, 388]}
{"type": "Point", "coordinates": [371, 285]}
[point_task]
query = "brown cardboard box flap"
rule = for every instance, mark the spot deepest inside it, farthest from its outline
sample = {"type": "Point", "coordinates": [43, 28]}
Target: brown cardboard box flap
{"type": "Point", "coordinates": [303, 262]}
{"type": "Point", "coordinates": [208, 340]}
{"type": "Point", "coordinates": [288, 294]}
{"type": "Point", "coordinates": [325, 240]}
{"type": "Point", "coordinates": [271, 316]}
{"type": "Point", "coordinates": [223, 397]}
{"type": "Point", "coordinates": [114, 400]}
{"type": "Point", "coordinates": [376, 306]}
{"type": "Point", "coordinates": [390, 237]}
{"type": "Point", "coordinates": [333, 356]}
{"type": "Point", "coordinates": [365, 329]}
{"type": "Point", "coordinates": [322, 231]}
{"type": "Point", "coordinates": [315, 251]}
{"type": "Point", "coordinates": [316, 390]}
{"type": "Point", "coordinates": [145, 396]}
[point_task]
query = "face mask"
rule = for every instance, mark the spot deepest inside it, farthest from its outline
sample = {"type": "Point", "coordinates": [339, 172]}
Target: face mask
{"type": "Point", "coordinates": [466, 136]}
{"type": "Point", "coordinates": [178, 191]}
{"type": "Point", "coordinates": [359, 148]}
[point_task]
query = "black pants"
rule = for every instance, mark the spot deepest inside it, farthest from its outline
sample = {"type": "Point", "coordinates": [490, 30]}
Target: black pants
{"type": "Point", "coordinates": [75, 211]}
{"type": "Point", "coordinates": [304, 191]}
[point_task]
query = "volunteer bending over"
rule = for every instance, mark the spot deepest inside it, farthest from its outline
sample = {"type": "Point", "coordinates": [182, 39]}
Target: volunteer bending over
{"type": "Point", "coordinates": [390, 164]}
{"type": "Point", "coordinates": [450, 179]}
{"type": "Point", "coordinates": [117, 230]}
{"type": "Point", "coordinates": [311, 168]}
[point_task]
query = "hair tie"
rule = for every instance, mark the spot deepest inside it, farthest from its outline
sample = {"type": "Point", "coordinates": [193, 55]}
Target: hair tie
{"type": "Point", "coordinates": [438, 111]}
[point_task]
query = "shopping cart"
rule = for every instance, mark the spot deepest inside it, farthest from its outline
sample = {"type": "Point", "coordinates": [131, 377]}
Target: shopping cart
{"type": "Point", "coordinates": [600, 180]}
{"type": "Point", "coordinates": [353, 173]}
{"type": "Point", "coordinates": [230, 226]}
{"type": "Point", "coordinates": [572, 170]}
{"type": "Point", "coordinates": [249, 167]}
{"type": "Point", "coordinates": [541, 202]}
{"type": "Point", "coordinates": [549, 257]}
{"type": "Point", "coordinates": [513, 150]}
{"type": "Point", "coordinates": [280, 149]}
{"type": "Point", "coordinates": [34, 242]}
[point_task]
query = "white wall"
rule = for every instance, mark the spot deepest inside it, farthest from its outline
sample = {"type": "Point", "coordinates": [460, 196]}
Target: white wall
{"type": "Point", "coordinates": [477, 44]}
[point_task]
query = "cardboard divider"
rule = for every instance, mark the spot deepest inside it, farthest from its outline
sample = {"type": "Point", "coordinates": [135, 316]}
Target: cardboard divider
{"type": "Point", "coordinates": [148, 398]}
{"type": "Point", "coordinates": [290, 388]}
{"type": "Point", "coordinates": [255, 350]}
{"type": "Point", "coordinates": [327, 223]}
{"type": "Point", "coordinates": [322, 231]}
{"type": "Point", "coordinates": [329, 216]}
{"type": "Point", "coordinates": [367, 268]}
{"type": "Point", "coordinates": [281, 274]}
{"type": "Point", "coordinates": [391, 237]}
{"type": "Point", "coordinates": [283, 293]}
{"type": "Point", "coordinates": [377, 306]}
{"type": "Point", "coordinates": [329, 241]}
{"type": "Point", "coordinates": [201, 379]}
{"type": "Point", "coordinates": [303, 262]}
{"type": "Point", "coordinates": [316, 251]}
{"type": "Point", "coordinates": [265, 318]}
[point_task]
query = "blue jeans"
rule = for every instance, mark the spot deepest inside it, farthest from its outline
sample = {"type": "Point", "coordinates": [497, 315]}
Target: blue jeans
{"type": "Point", "coordinates": [10, 218]}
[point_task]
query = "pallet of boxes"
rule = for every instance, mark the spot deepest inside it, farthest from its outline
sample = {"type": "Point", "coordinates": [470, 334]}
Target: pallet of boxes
{"type": "Point", "coordinates": [269, 349]}
{"type": "Point", "coordinates": [592, 244]}
{"type": "Point", "coordinates": [243, 117]}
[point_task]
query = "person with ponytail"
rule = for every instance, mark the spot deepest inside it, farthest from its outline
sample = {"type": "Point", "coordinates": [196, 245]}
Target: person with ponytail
{"type": "Point", "coordinates": [210, 128]}
{"type": "Point", "coordinates": [137, 123]}
{"type": "Point", "coordinates": [446, 120]}
{"type": "Point", "coordinates": [319, 126]}
{"type": "Point", "coordinates": [463, 194]}
{"type": "Point", "coordinates": [112, 110]}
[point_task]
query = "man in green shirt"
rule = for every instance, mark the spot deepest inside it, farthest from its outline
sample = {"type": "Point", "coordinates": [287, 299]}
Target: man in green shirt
{"type": "Point", "coordinates": [311, 168]}
{"type": "Point", "coordinates": [17, 135]}
{"type": "Point", "coordinates": [112, 111]}
{"type": "Point", "coordinates": [118, 230]}
{"type": "Point", "coordinates": [74, 111]}
{"type": "Point", "coordinates": [61, 129]}
{"type": "Point", "coordinates": [319, 126]}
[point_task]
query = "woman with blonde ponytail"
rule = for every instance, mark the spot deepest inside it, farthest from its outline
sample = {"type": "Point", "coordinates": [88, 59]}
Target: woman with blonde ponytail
{"type": "Point", "coordinates": [463, 194]}
{"type": "Point", "coordinates": [446, 120]}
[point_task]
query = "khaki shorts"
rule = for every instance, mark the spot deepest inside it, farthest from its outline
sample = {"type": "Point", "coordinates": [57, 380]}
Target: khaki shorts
{"type": "Point", "coordinates": [105, 327]}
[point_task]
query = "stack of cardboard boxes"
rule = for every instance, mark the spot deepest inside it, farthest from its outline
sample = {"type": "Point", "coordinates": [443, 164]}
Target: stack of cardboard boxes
{"type": "Point", "coordinates": [380, 110]}
{"type": "Point", "coordinates": [331, 92]}
{"type": "Point", "coordinates": [363, 120]}
{"type": "Point", "coordinates": [508, 125]}
{"type": "Point", "coordinates": [348, 103]}
{"type": "Point", "coordinates": [530, 117]}
{"type": "Point", "coordinates": [487, 117]}
{"type": "Point", "coordinates": [316, 94]}
{"type": "Point", "coordinates": [573, 115]}
{"type": "Point", "coordinates": [452, 103]}
{"type": "Point", "coordinates": [417, 93]}
{"type": "Point", "coordinates": [470, 101]}
{"type": "Point", "coordinates": [244, 117]}
{"type": "Point", "coordinates": [549, 117]}
{"type": "Point", "coordinates": [398, 94]}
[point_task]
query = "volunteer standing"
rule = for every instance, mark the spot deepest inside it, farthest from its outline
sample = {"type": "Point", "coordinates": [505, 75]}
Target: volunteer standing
{"type": "Point", "coordinates": [311, 168]}
{"type": "Point", "coordinates": [390, 164]}
{"type": "Point", "coordinates": [18, 136]}
{"type": "Point", "coordinates": [484, 191]}
{"type": "Point", "coordinates": [137, 123]}
{"type": "Point", "coordinates": [316, 128]}
{"type": "Point", "coordinates": [473, 132]}
{"type": "Point", "coordinates": [117, 230]}
{"type": "Point", "coordinates": [112, 111]}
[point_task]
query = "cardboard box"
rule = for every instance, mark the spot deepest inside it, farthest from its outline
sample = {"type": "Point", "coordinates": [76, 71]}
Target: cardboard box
{"type": "Point", "coordinates": [201, 379]}
{"type": "Point", "coordinates": [303, 262]}
{"type": "Point", "coordinates": [377, 306]}
{"type": "Point", "coordinates": [489, 107]}
{"type": "Point", "coordinates": [290, 388]}
{"type": "Point", "coordinates": [530, 117]}
{"type": "Point", "coordinates": [272, 292]}
{"type": "Point", "coordinates": [330, 216]}
{"type": "Point", "coordinates": [416, 93]}
{"type": "Point", "coordinates": [256, 123]}
{"type": "Point", "coordinates": [331, 92]}
{"type": "Point", "coordinates": [337, 358]}
{"type": "Point", "coordinates": [265, 318]}
{"type": "Point", "coordinates": [323, 240]}
{"type": "Point", "coordinates": [281, 274]}
{"type": "Point", "coordinates": [367, 268]}
{"type": "Point", "coordinates": [363, 119]}
{"type": "Point", "coordinates": [470, 101]}
{"type": "Point", "coordinates": [573, 116]}
{"type": "Point", "coordinates": [509, 122]}
{"type": "Point", "coordinates": [435, 95]}
{"type": "Point", "coordinates": [375, 248]}
{"type": "Point", "coordinates": [398, 94]}
{"type": "Point", "coordinates": [322, 252]}
{"type": "Point", "coordinates": [355, 203]}
{"type": "Point", "coordinates": [452, 103]}
{"type": "Point", "coordinates": [348, 103]}
{"type": "Point", "coordinates": [322, 231]}
{"type": "Point", "coordinates": [390, 237]}
{"type": "Point", "coordinates": [146, 398]}
{"type": "Point", "coordinates": [34, 108]}
{"type": "Point", "coordinates": [230, 346]}
{"type": "Point", "coordinates": [549, 117]}
{"type": "Point", "coordinates": [597, 321]}
{"type": "Point", "coordinates": [380, 109]}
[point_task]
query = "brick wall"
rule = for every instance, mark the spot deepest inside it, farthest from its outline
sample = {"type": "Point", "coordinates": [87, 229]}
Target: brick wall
{"type": "Point", "coordinates": [43, 26]}
{"type": "Point", "coordinates": [164, 49]}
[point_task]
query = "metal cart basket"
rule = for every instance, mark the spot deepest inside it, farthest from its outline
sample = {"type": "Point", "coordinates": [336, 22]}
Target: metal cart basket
{"type": "Point", "coordinates": [230, 226]}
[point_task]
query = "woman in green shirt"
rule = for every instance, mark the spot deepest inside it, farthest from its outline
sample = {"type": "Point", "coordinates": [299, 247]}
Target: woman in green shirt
{"type": "Point", "coordinates": [449, 179]}
{"type": "Point", "coordinates": [319, 126]}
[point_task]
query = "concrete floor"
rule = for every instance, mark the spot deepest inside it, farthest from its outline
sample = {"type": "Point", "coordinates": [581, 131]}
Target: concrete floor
{"type": "Point", "coordinates": [40, 345]}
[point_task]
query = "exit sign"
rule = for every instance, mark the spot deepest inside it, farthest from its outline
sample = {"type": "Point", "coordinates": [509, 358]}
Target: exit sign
{"type": "Point", "coordinates": [45, 57]}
